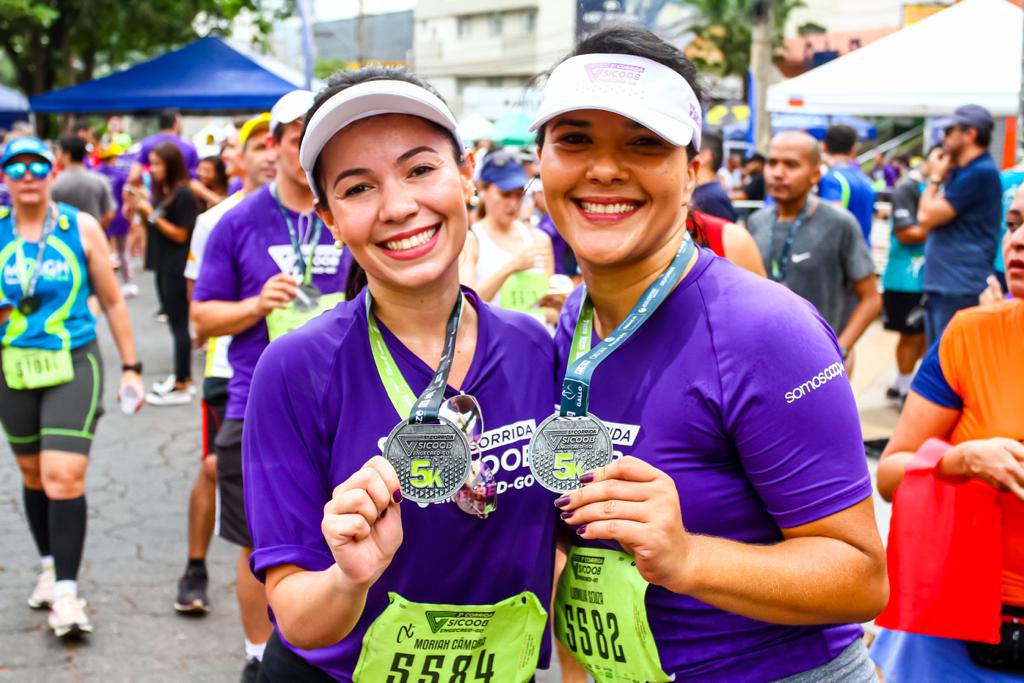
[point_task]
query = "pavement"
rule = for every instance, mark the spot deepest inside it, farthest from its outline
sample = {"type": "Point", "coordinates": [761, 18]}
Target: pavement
{"type": "Point", "coordinates": [141, 472]}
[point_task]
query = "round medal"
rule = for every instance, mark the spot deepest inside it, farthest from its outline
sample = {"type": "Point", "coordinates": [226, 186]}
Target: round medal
{"type": "Point", "coordinates": [563, 448]}
{"type": "Point", "coordinates": [432, 459]}
{"type": "Point", "coordinates": [29, 305]}
{"type": "Point", "coordinates": [308, 298]}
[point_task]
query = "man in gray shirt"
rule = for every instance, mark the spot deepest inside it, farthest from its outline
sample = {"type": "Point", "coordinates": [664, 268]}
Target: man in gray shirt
{"type": "Point", "coordinates": [83, 189]}
{"type": "Point", "coordinates": [813, 247]}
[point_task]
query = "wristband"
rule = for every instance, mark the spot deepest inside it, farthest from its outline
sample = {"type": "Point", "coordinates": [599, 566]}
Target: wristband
{"type": "Point", "coordinates": [132, 367]}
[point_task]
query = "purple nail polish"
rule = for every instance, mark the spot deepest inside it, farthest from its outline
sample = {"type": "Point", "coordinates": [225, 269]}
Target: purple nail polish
{"type": "Point", "coordinates": [565, 515]}
{"type": "Point", "coordinates": [562, 502]}
{"type": "Point", "coordinates": [582, 529]}
{"type": "Point", "coordinates": [397, 496]}
{"type": "Point", "coordinates": [587, 478]}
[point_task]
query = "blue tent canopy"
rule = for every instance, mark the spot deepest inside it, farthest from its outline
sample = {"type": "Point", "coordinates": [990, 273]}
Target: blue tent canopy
{"type": "Point", "coordinates": [815, 124]}
{"type": "Point", "coordinates": [206, 75]}
{"type": "Point", "coordinates": [13, 102]}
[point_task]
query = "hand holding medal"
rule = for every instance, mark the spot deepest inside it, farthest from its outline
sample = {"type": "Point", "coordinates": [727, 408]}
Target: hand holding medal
{"type": "Point", "coordinates": [362, 522]}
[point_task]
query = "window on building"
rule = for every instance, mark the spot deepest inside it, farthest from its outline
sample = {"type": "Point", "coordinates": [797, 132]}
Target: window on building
{"type": "Point", "coordinates": [464, 25]}
{"type": "Point", "coordinates": [529, 17]}
{"type": "Point", "coordinates": [496, 23]}
{"type": "Point", "coordinates": [495, 81]}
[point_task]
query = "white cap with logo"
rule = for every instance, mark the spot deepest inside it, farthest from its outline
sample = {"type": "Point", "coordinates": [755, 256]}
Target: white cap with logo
{"type": "Point", "coordinates": [366, 99]}
{"type": "Point", "coordinates": [290, 107]}
{"type": "Point", "coordinates": [638, 88]}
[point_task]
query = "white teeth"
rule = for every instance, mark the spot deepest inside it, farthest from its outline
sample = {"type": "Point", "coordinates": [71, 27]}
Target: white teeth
{"type": "Point", "coordinates": [410, 242]}
{"type": "Point", "coordinates": [591, 207]}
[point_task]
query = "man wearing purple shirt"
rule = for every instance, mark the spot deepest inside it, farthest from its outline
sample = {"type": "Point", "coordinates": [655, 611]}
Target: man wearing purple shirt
{"type": "Point", "coordinates": [250, 277]}
{"type": "Point", "coordinates": [170, 130]}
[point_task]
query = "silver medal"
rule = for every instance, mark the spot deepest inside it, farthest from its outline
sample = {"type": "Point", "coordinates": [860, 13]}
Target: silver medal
{"type": "Point", "coordinates": [563, 448]}
{"type": "Point", "coordinates": [432, 459]}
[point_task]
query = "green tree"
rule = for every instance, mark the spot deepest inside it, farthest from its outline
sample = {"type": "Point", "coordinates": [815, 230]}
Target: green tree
{"type": "Point", "coordinates": [57, 43]}
{"type": "Point", "coordinates": [324, 68]}
{"type": "Point", "coordinates": [723, 31]}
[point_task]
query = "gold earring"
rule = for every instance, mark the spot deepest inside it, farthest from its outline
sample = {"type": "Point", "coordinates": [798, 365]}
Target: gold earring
{"type": "Point", "coordinates": [339, 245]}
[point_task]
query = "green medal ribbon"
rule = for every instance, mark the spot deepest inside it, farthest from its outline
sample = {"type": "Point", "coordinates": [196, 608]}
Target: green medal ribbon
{"type": "Point", "coordinates": [428, 405]}
{"type": "Point", "coordinates": [304, 265]}
{"type": "Point", "coordinates": [583, 360]}
{"type": "Point", "coordinates": [781, 264]}
{"type": "Point", "coordinates": [412, 641]}
{"type": "Point", "coordinates": [601, 617]}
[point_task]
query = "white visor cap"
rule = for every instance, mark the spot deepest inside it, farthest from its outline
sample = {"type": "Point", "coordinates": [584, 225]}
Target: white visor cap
{"type": "Point", "coordinates": [291, 107]}
{"type": "Point", "coordinates": [361, 101]}
{"type": "Point", "coordinates": [638, 88]}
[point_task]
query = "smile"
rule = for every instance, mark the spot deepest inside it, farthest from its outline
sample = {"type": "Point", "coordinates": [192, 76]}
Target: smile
{"type": "Point", "coordinates": [411, 242]}
{"type": "Point", "coordinates": [607, 210]}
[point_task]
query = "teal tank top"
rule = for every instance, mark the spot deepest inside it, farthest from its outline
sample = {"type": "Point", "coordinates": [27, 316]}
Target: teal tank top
{"type": "Point", "coordinates": [63, 320]}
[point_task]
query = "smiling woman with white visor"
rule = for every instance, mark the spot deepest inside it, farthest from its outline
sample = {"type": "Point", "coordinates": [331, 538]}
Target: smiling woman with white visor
{"type": "Point", "coordinates": [732, 538]}
{"type": "Point", "coordinates": [453, 583]}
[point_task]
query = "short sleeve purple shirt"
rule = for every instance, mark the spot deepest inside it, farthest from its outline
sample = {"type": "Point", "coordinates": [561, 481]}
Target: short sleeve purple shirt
{"type": "Point", "coordinates": [249, 246]}
{"type": "Point", "coordinates": [188, 150]}
{"type": "Point", "coordinates": [318, 411]}
{"type": "Point", "coordinates": [735, 388]}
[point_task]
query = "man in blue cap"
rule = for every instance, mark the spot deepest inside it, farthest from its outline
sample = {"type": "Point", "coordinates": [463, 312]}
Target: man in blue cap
{"type": "Point", "coordinates": [960, 207]}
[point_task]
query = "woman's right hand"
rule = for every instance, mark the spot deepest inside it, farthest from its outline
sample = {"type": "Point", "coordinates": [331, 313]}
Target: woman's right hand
{"type": "Point", "coordinates": [530, 256]}
{"type": "Point", "coordinates": [363, 522]}
{"type": "Point", "coordinates": [996, 461]}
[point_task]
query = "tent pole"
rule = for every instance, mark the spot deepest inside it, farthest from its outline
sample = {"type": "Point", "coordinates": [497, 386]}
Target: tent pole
{"type": "Point", "coordinates": [307, 43]}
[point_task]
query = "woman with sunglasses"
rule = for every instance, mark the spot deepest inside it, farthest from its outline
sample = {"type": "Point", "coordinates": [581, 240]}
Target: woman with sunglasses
{"type": "Point", "coordinates": [363, 586]}
{"type": "Point", "coordinates": [53, 258]}
{"type": "Point", "coordinates": [733, 538]}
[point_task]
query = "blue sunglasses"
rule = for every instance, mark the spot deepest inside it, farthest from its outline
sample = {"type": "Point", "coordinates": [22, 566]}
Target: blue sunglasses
{"type": "Point", "coordinates": [38, 169]}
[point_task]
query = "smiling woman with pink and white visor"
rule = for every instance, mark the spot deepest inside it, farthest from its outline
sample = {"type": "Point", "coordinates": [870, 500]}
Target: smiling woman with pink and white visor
{"type": "Point", "coordinates": [736, 524]}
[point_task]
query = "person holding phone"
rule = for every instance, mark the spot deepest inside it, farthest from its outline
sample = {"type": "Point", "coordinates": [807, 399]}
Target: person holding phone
{"type": "Point", "coordinates": [51, 384]}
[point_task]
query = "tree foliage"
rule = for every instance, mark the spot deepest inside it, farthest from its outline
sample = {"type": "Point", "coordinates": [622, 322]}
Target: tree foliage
{"type": "Point", "coordinates": [724, 32]}
{"type": "Point", "coordinates": [57, 43]}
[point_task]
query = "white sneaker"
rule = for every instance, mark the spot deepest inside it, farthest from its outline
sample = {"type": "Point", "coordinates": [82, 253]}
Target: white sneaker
{"type": "Point", "coordinates": [175, 397]}
{"type": "Point", "coordinates": [68, 617]}
{"type": "Point", "coordinates": [164, 386]}
{"type": "Point", "coordinates": [129, 290]}
{"type": "Point", "coordinates": [42, 594]}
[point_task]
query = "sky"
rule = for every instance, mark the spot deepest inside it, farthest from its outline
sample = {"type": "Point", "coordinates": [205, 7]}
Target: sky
{"type": "Point", "coordinates": [326, 10]}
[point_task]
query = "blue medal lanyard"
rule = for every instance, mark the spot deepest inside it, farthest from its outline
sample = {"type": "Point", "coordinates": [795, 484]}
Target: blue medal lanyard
{"type": "Point", "coordinates": [304, 265]}
{"type": "Point", "coordinates": [583, 360]}
{"type": "Point", "coordinates": [28, 285]}
{"type": "Point", "coordinates": [781, 264]}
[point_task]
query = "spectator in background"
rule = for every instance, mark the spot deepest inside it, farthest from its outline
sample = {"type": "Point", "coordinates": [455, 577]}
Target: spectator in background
{"type": "Point", "coordinates": [211, 183]}
{"type": "Point", "coordinates": [734, 168]}
{"type": "Point", "coordinates": [960, 207]}
{"type": "Point", "coordinates": [812, 247]}
{"type": "Point", "coordinates": [231, 155]}
{"type": "Point", "coordinates": [883, 175]}
{"type": "Point", "coordinates": [709, 196]}
{"type": "Point", "coordinates": [116, 134]}
{"type": "Point", "coordinates": [902, 295]}
{"type": "Point", "coordinates": [565, 260]}
{"type": "Point", "coordinates": [1011, 179]}
{"type": "Point", "coordinates": [82, 129]}
{"type": "Point", "coordinates": [753, 179]}
{"type": "Point", "coordinates": [83, 189]}
{"type": "Point", "coordinates": [170, 131]}
{"type": "Point", "coordinates": [116, 171]}
{"type": "Point", "coordinates": [845, 184]}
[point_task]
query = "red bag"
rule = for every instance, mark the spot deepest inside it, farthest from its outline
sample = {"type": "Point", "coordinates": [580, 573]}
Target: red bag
{"type": "Point", "coordinates": [944, 554]}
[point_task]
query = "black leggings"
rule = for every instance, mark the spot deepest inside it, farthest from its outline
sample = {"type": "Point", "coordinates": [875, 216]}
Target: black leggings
{"type": "Point", "coordinates": [281, 665]}
{"type": "Point", "coordinates": [174, 299]}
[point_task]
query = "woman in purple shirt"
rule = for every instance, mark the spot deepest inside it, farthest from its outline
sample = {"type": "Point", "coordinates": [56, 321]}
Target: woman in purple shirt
{"type": "Point", "coordinates": [364, 587]}
{"type": "Point", "coordinates": [733, 537]}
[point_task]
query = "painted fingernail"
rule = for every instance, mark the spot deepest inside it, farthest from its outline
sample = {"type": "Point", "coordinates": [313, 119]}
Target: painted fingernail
{"type": "Point", "coordinates": [562, 502]}
{"type": "Point", "coordinates": [397, 496]}
{"type": "Point", "coordinates": [582, 529]}
{"type": "Point", "coordinates": [565, 515]}
{"type": "Point", "coordinates": [587, 478]}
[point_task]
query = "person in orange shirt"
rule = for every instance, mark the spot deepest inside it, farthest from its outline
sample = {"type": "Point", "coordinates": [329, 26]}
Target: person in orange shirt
{"type": "Point", "coordinates": [969, 392]}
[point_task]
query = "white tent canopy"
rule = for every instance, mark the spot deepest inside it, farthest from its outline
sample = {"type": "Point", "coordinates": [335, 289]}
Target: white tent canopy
{"type": "Point", "coordinates": [968, 53]}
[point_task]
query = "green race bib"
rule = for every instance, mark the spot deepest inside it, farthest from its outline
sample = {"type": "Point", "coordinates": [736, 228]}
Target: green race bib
{"type": "Point", "coordinates": [411, 642]}
{"type": "Point", "coordinates": [284, 320]}
{"type": "Point", "coordinates": [523, 290]}
{"type": "Point", "coordinates": [601, 618]}
{"type": "Point", "coordinates": [36, 368]}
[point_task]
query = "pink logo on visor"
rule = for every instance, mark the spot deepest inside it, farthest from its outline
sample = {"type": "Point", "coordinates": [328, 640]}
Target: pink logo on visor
{"type": "Point", "coordinates": [610, 72]}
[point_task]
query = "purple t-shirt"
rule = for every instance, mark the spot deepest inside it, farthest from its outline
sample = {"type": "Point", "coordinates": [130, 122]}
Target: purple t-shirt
{"type": "Point", "coordinates": [735, 388]}
{"type": "Point", "coordinates": [249, 246]}
{"type": "Point", "coordinates": [117, 174]}
{"type": "Point", "coordinates": [565, 261]}
{"type": "Point", "coordinates": [188, 151]}
{"type": "Point", "coordinates": [318, 411]}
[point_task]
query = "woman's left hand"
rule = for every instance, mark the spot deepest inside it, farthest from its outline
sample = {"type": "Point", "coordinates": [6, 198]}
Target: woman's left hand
{"type": "Point", "coordinates": [637, 505]}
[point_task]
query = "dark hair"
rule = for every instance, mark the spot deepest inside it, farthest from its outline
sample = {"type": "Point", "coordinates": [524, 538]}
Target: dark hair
{"type": "Point", "coordinates": [81, 124]}
{"type": "Point", "coordinates": [74, 146]}
{"type": "Point", "coordinates": [278, 131]}
{"type": "Point", "coordinates": [626, 39]}
{"type": "Point", "coordinates": [937, 145]}
{"type": "Point", "coordinates": [713, 143]}
{"type": "Point", "coordinates": [840, 139]}
{"type": "Point", "coordinates": [984, 137]}
{"type": "Point", "coordinates": [220, 173]}
{"type": "Point", "coordinates": [167, 118]}
{"type": "Point", "coordinates": [342, 80]}
{"type": "Point", "coordinates": [756, 156]}
{"type": "Point", "coordinates": [176, 174]}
